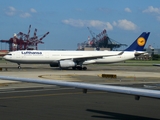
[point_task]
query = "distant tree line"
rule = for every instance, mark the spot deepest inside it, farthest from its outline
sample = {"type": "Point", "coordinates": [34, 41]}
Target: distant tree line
{"type": "Point", "coordinates": [155, 57]}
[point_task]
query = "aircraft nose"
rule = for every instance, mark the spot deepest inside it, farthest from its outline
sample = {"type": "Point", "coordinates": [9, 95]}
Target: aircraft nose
{"type": "Point", "coordinates": [5, 57]}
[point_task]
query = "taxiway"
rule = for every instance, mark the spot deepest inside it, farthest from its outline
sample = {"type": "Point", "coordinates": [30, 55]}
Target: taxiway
{"type": "Point", "coordinates": [35, 101]}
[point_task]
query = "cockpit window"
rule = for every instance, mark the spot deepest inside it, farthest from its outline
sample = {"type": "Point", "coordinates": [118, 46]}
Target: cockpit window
{"type": "Point", "coordinates": [9, 54]}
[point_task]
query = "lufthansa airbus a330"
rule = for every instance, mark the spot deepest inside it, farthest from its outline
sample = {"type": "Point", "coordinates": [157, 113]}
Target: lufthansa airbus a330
{"type": "Point", "coordinates": [77, 59]}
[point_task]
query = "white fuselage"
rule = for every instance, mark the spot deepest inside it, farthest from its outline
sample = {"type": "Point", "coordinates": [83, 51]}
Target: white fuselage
{"type": "Point", "coordinates": [49, 57]}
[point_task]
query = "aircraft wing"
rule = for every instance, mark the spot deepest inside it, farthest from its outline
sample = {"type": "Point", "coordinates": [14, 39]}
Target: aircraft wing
{"type": "Point", "coordinates": [156, 65]}
{"type": "Point", "coordinates": [92, 57]}
{"type": "Point", "coordinates": [137, 92]}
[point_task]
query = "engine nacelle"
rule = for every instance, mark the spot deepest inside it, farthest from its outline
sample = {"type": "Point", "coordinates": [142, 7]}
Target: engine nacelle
{"type": "Point", "coordinates": [54, 65]}
{"type": "Point", "coordinates": [66, 63]}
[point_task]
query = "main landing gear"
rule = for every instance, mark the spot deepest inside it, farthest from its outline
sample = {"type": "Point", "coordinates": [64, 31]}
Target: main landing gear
{"type": "Point", "coordinates": [79, 68]}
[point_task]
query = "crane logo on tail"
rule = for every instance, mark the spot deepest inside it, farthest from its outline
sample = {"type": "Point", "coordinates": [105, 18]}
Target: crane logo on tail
{"type": "Point", "coordinates": [141, 41]}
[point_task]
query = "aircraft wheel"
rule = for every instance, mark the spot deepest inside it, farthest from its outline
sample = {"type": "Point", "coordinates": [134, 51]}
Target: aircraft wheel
{"type": "Point", "coordinates": [19, 67]}
{"type": "Point", "coordinates": [79, 68]}
{"type": "Point", "coordinates": [84, 68]}
{"type": "Point", "coordinates": [74, 68]}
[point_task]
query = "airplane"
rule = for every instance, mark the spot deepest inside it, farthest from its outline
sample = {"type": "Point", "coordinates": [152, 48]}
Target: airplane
{"type": "Point", "coordinates": [77, 59]}
{"type": "Point", "coordinates": [137, 92]}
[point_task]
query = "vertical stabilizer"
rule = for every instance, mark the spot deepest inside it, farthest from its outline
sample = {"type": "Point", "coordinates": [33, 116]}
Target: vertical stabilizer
{"type": "Point", "coordinates": [139, 43]}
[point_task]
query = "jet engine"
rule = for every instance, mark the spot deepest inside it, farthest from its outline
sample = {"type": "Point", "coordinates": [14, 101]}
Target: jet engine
{"type": "Point", "coordinates": [66, 63]}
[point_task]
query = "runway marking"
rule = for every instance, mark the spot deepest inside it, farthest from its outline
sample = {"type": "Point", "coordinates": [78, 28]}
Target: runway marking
{"type": "Point", "coordinates": [46, 95]}
{"type": "Point", "coordinates": [67, 77]}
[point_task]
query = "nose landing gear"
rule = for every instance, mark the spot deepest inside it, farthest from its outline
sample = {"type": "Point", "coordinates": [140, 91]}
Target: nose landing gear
{"type": "Point", "coordinates": [19, 66]}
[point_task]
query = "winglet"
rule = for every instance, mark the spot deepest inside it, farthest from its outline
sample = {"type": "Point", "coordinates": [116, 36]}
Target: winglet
{"type": "Point", "coordinates": [139, 43]}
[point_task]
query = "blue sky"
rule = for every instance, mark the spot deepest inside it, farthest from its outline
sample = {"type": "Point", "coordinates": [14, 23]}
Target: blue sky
{"type": "Point", "coordinates": [67, 20]}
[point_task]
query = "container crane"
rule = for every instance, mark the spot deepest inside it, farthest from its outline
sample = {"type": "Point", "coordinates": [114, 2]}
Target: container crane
{"type": "Point", "coordinates": [22, 41]}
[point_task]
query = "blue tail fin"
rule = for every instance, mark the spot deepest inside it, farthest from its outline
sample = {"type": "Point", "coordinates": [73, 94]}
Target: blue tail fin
{"type": "Point", "coordinates": [139, 43]}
